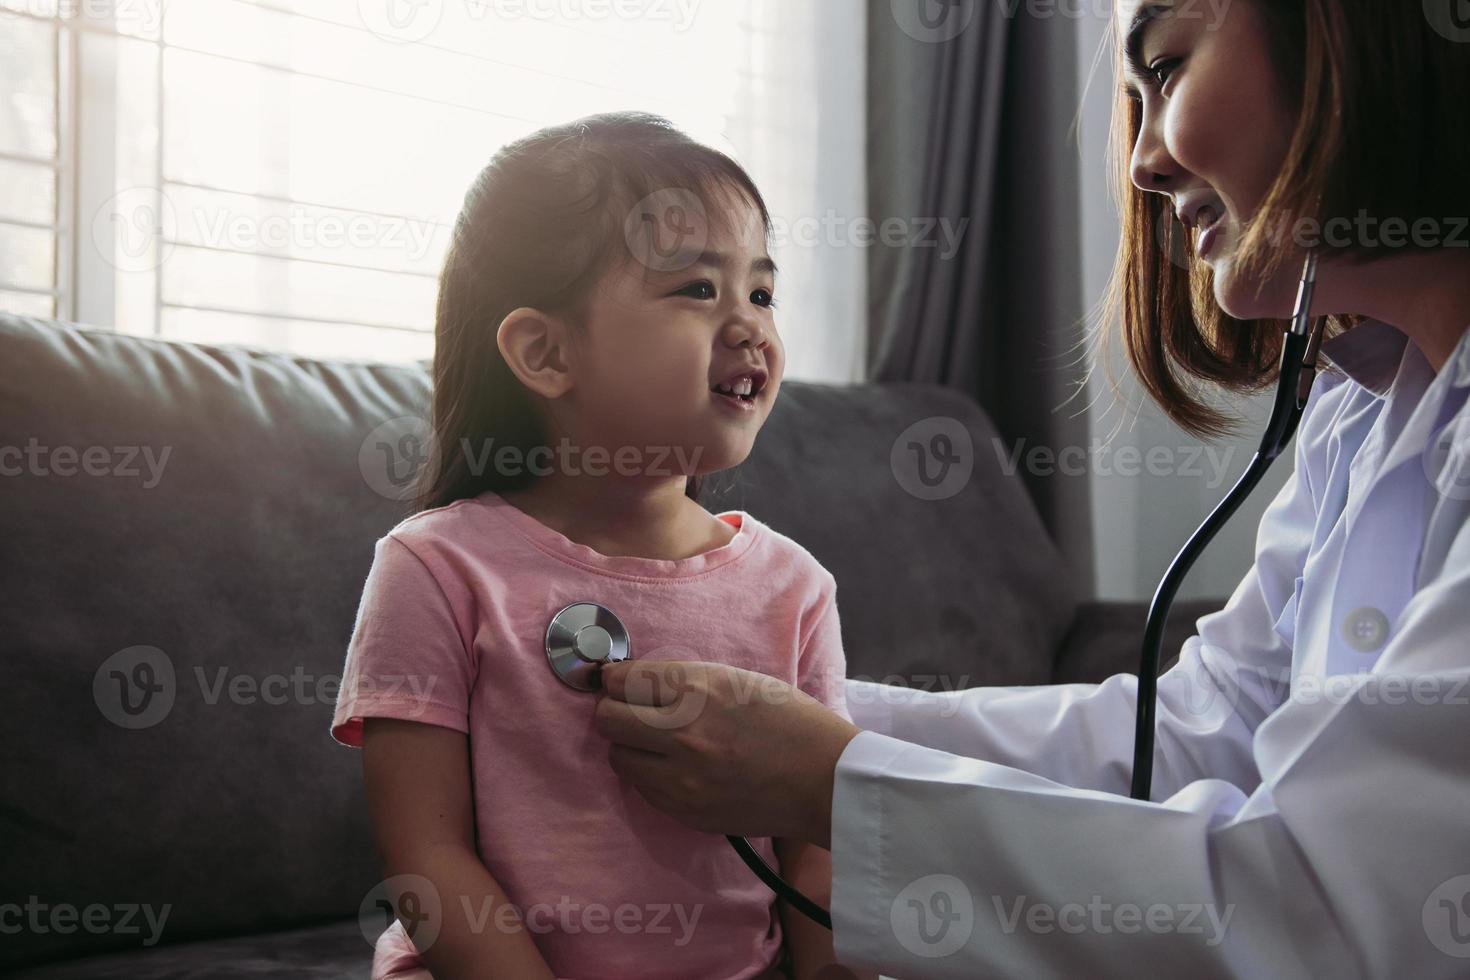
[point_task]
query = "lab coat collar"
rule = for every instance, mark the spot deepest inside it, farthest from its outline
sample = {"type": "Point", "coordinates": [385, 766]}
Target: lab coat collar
{"type": "Point", "coordinates": [1413, 395]}
{"type": "Point", "coordinates": [1372, 352]}
{"type": "Point", "coordinates": [1369, 354]}
{"type": "Point", "coordinates": [1458, 366]}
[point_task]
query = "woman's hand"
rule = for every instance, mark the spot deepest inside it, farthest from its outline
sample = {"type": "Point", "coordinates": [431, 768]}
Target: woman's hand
{"type": "Point", "coordinates": [724, 750]}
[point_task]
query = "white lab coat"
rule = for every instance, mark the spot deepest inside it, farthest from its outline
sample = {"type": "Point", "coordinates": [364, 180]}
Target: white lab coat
{"type": "Point", "coordinates": [1312, 768]}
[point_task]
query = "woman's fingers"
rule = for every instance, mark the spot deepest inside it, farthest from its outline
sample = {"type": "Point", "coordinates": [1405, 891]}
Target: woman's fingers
{"type": "Point", "coordinates": [723, 749]}
{"type": "Point", "coordinates": [638, 726]}
{"type": "Point", "coordinates": [637, 766]}
{"type": "Point", "coordinates": [654, 683]}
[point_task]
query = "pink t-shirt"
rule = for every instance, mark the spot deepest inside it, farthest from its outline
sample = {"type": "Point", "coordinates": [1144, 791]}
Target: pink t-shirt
{"type": "Point", "coordinates": [450, 631]}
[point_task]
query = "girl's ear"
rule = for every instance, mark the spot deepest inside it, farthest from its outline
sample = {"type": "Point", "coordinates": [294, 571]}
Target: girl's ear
{"type": "Point", "coordinates": [537, 348]}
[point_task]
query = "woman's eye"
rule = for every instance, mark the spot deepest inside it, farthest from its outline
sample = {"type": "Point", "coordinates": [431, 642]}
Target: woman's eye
{"type": "Point", "coordinates": [1161, 71]}
{"type": "Point", "coordinates": [704, 289]}
{"type": "Point", "coordinates": [763, 297]}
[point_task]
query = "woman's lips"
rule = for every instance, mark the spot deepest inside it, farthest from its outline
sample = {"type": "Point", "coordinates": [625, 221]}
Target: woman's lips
{"type": "Point", "coordinates": [1212, 227]}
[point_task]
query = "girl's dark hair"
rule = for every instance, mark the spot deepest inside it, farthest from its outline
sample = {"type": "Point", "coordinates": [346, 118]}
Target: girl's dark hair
{"type": "Point", "coordinates": [541, 224]}
{"type": "Point", "coordinates": [1382, 95]}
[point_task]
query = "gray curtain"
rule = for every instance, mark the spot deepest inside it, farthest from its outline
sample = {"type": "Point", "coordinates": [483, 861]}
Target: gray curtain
{"type": "Point", "coordinates": [978, 126]}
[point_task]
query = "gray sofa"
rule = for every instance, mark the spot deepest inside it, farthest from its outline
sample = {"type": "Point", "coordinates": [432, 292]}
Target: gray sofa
{"type": "Point", "coordinates": [186, 530]}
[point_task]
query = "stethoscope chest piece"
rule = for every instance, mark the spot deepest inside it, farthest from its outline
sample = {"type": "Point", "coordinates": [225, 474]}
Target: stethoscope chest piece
{"type": "Point", "coordinates": [580, 639]}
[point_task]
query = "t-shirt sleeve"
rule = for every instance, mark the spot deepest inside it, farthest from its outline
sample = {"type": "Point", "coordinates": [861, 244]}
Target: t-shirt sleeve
{"type": "Point", "coordinates": [822, 668]}
{"type": "Point", "coordinates": [408, 657]}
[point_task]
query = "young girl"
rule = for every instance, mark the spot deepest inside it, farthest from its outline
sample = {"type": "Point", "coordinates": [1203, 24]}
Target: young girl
{"type": "Point", "coordinates": [604, 335]}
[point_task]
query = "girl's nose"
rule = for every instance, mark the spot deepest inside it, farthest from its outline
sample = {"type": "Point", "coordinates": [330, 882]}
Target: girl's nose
{"type": "Point", "coordinates": [744, 330]}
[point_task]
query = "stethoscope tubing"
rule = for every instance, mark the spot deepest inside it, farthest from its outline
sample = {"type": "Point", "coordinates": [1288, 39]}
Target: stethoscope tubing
{"type": "Point", "coordinates": [1299, 349]}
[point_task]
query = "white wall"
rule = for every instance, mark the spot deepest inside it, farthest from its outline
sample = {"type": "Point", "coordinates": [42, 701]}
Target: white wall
{"type": "Point", "coordinates": [1143, 513]}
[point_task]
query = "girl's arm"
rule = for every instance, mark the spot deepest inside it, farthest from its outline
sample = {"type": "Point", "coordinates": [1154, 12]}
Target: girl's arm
{"type": "Point", "coordinates": [809, 869]}
{"type": "Point", "coordinates": [420, 804]}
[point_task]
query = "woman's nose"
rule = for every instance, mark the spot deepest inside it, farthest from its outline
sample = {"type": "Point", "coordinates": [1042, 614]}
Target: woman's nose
{"type": "Point", "coordinates": [1151, 167]}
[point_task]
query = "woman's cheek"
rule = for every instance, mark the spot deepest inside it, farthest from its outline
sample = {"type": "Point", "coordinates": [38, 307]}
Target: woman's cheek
{"type": "Point", "coordinates": [1198, 139]}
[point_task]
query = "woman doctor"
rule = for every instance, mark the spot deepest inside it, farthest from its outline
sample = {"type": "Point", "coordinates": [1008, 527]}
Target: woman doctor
{"type": "Point", "coordinates": [1311, 797]}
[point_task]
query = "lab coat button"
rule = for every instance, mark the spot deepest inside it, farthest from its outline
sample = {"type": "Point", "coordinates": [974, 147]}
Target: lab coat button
{"type": "Point", "coordinates": [1365, 629]}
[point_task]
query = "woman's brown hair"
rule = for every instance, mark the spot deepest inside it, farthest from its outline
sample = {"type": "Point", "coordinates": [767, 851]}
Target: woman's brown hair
{"type": "Point", "coordinates": [540, 225]}
{"type": "Point", "coordinates": [1382, 96]}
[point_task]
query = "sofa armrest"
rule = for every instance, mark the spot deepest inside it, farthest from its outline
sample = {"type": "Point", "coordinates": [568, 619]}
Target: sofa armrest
{"type": "Point", "coordinates": [1105, 638]}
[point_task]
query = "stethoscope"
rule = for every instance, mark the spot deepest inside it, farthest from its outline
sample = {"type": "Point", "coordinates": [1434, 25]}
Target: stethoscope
{"type": "Point", "coordinates": [584, 636]}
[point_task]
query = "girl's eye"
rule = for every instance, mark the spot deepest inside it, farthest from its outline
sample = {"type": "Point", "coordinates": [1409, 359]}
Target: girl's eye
{"type": "Point", "coordinates": [763, 297]}
{"type": "Point", "coordinates": [704, 289]}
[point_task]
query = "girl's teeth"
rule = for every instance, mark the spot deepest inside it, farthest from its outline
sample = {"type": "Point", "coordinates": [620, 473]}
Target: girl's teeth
{"type": "Point", "coordinates": [743, 388]}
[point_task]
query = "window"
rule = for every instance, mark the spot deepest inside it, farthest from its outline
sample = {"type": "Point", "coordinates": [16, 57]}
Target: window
{"type": "Point", "coordinates": [32, 63]}
{"type": "Point", "coordinates": [285, 174]}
